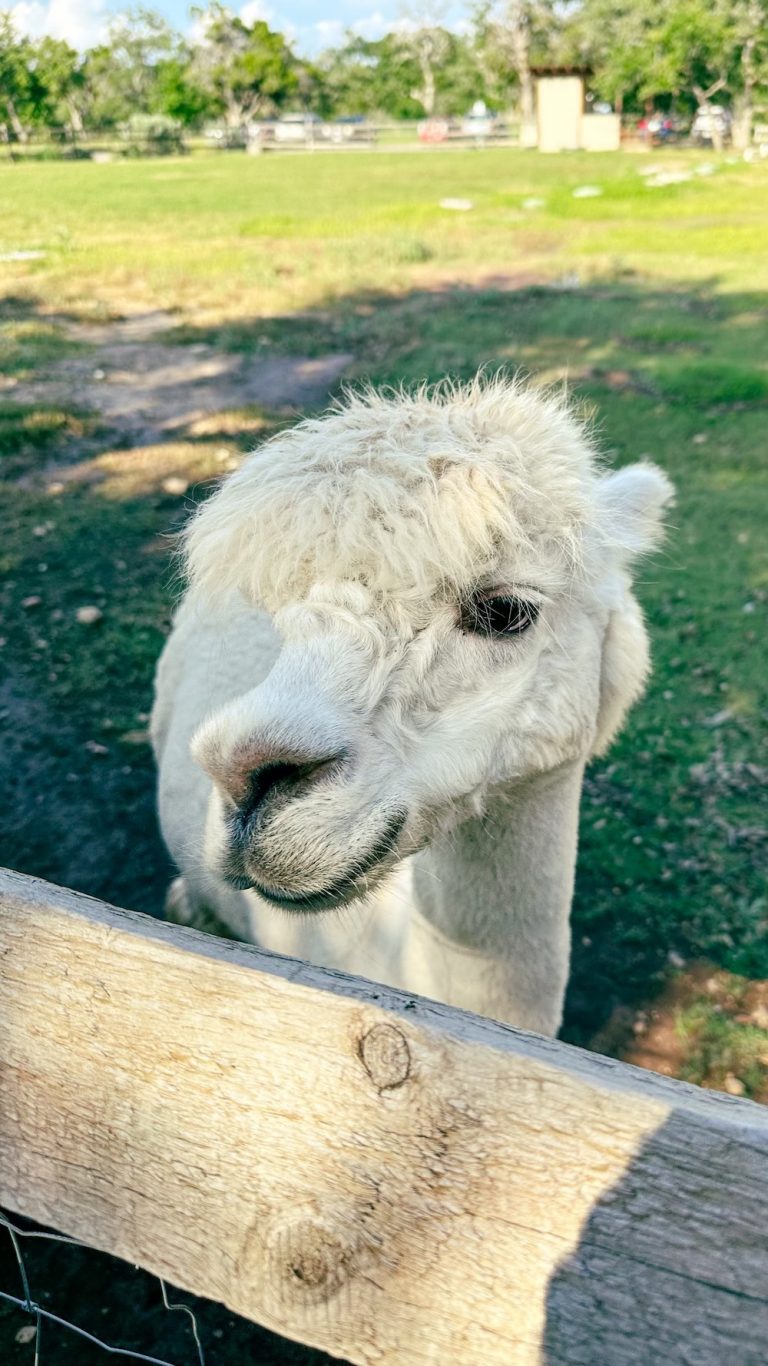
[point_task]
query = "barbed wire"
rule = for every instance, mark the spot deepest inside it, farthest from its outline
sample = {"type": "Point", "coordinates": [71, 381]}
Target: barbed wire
{"type": "Point", "coordinates": [29, 1305]}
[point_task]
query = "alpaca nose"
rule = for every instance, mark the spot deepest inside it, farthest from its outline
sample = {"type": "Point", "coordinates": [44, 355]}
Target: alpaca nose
{"type": "Point", "coordinates": [273, 773]}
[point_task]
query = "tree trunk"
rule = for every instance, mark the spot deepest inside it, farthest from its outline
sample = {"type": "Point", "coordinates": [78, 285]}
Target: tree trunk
{"type": "Point", "coordinates": [702, 99]}
{"type": "Point", "coordinates": [427, 92]}
{"type": "Point", "coordinates": [76, 127]}
{"type": "Point", "coordinates": [234, 114]}
{"type": "Point", "coordinates": [741, 133]}
{"type": "Point", "coordinates": [16, 124]}
{"type": "Point", "coordinates": [518, 22]}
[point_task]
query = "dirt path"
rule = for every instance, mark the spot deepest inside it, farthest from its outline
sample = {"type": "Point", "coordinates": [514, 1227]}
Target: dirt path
{"type": "Point", "coordinates": [148, 390]}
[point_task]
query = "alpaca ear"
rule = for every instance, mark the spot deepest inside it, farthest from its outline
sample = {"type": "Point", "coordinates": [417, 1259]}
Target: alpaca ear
{"type": "Point", "coordinates": [624, 668]}
{"type": "Point", "coordinates": [632, 502]}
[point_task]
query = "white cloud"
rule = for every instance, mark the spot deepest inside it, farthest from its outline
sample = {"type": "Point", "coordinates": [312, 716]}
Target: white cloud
{"type": "Point", "coordinates": [81, 23]}
{"type": "Point", "coordinates": [329, 31]}
{"type": "Point", "coordinates": [253, 10]}
{"type": "Point", "coordinates": [373, 26]}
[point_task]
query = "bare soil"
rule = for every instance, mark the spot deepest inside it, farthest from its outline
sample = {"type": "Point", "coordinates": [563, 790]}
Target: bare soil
{"type": "Point", "coordinates": [147, 390]}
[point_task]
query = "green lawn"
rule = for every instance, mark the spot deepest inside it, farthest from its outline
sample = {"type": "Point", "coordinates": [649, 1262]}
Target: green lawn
{"type": "Point", "coordinates": [649, 300]}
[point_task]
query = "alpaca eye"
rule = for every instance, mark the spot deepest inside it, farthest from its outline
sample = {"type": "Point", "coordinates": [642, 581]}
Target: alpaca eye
{"type": "Point", "coordinates": [498, 616]}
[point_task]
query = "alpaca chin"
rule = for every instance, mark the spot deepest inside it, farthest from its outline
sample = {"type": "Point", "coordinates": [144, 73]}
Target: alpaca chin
{"type": "Point", "coordinates": [295, 866]}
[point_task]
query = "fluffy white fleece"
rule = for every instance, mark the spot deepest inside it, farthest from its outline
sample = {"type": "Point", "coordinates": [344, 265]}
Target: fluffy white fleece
{"type": "Point", "coordinates": [324, 620]}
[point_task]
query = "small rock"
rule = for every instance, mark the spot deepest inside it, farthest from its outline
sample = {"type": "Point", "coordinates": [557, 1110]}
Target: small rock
{"type": "Point", "coordinates": [749, 608]}
{"type": "Point", "coordinates": [571, 280]}
{"type": "Point", "coordinates": [30, 602]}
{"type": "Point", "coordinates": [458, 205]}
{"type": "Point", "coordinates": [94, 747]}
{"type": "Point", "coordinates": [22, 256]}
{"type": "Point", "coordinates": [533, 203]}
{"type": "Point", "coordinates": [173, 484]}
{"type": "Point", "coordinates": [27, 1334]}
{"type": "Point", "coordinates": [699, 439]}
{"type": "Point", "coordinates": [88, 616]}
{"type": "Point", "coordinates": [586, 192]}
{"type": "Point", "coordinates": [667, 178]}
{"type": "Point", "coordinates": [135, 737]}
{"type": "Point", "coordinates": [675, 959]}
{"type": "Point", "coordinates": [733, 1085]}
{"type": "Point", "coordinates": [720, 718]}
{"type": "Point", "coordinates": [99, 374]}
{"type": "Point", "coordinates": [55, 488]}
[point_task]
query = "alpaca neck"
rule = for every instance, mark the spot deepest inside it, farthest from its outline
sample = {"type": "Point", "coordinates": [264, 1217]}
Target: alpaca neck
{"type": "Point", "coordinates": [490, 930]}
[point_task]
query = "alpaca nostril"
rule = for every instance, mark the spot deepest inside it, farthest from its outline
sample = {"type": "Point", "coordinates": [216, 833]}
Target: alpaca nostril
{"type": "Point", "coordinates": [289, 779]}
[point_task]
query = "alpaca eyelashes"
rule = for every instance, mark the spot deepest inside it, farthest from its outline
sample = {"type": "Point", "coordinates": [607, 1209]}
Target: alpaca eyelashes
{"type": "Point", "coordinates": [498, 616]}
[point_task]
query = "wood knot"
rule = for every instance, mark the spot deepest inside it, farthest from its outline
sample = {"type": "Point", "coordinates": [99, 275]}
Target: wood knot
{"type": "Point", "coordinates": [385, 1056]}
{"type": "Point", "coordinates": [315, 1261]}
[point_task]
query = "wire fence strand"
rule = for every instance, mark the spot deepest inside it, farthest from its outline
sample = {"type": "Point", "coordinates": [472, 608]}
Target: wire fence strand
{"type": "Point", "coordinates": [29, 1304]}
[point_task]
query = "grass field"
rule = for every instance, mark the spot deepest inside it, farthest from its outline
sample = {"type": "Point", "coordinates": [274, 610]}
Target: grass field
{"type": "Point", "coordinates": [649, 300]}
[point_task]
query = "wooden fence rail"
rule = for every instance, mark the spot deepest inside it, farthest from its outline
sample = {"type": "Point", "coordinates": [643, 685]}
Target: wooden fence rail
{"type": "Point", "coordinates": [385, 1178]}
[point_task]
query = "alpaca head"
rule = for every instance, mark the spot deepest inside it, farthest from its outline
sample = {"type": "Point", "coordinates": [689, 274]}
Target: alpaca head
{"type": "Point", "coordinates": [448, 574]}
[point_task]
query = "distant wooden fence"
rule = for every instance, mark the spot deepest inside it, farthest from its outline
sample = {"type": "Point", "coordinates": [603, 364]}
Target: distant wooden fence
{"type": "Point", "coordinates": [384, 1178]}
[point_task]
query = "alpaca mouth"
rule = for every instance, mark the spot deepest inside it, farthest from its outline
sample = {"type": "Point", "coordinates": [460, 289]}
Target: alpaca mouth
{"type": "Point", "coordinates": [353, 883]}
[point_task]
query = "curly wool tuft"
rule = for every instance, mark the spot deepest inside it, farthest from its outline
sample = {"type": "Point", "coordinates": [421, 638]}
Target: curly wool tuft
{"type": "Point", "coordinates": [407, 493]}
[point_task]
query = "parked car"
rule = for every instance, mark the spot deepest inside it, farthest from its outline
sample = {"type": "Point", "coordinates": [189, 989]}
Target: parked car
{"type": "Point", "coordinates": [225, 137]}
{"type": "Point", "coordinates": [349, 128]}
{"type": "Point", "coordinates": [478, 123]}
{"type": "Point", "coordinates": [299, 127]}
{"type": "Point", "coordinates": [712, 124]}
{"type": "Point", "coordinates": [434, 130]}
{"type": "Point", "coordinates": [659, 128]}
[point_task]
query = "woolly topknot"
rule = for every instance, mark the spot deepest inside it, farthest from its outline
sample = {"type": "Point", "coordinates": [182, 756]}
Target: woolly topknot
{"type": "Point", "coordinates": [407, 493]}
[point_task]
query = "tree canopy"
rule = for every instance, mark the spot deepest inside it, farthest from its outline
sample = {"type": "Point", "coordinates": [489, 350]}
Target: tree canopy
{"type": "Point", "coordinates": [641, 54]}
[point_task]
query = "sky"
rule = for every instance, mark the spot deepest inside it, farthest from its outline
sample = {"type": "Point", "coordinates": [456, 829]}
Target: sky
{"type": "Point", "coordinates": [310, 24]}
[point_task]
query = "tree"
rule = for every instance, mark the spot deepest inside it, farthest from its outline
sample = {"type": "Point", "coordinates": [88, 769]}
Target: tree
{"type": "Point", "coordinates": [247, 70]}
{"type": "Point", "coordinates": [16, 87]}
{"type": "Point", "coordinates": [385, 77]}
{"type": "Point", "coordinates": [122, 74]}
{"type": "Point", "coordinates": [370, 76]}
{"type": "Point", "coordinates": [178, 93]}
{"type": "Point", "coordinates": [749, 24]}
{"type": "Point", "coordinates": [59, 75]}
{"type": "Point", "coordinates": [685, 49]}
{"type": "Point", "coordinates": [513, 36]}
{"type": "Point", "coordinates": [422, 38]}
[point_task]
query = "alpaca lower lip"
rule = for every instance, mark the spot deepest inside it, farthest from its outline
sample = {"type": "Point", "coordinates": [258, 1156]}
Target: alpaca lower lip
{"type": "Point", "coordinates": [326, 900]}
{"type": "Point", "coordinates": [346, 888]}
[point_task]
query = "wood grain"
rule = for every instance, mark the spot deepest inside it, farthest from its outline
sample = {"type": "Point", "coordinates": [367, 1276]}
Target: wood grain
{"type": "Point", "coordinates": [385, 1178]}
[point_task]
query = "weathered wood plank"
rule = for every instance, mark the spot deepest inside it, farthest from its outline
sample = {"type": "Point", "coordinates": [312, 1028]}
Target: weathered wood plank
{"type": "Point", "coordinates": [385, 1178]}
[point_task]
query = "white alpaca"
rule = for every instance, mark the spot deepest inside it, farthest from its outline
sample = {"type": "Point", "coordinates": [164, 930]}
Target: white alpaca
{"type": "Point", "coordinates": [409, 626]}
